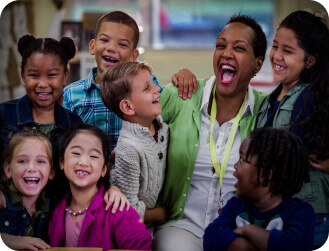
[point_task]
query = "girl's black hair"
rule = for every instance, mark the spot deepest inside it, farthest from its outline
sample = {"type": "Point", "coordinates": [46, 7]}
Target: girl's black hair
{"type": "Point", "coordinates": [65, 49]}
{"type": "Point", "coordinates": [282, 160]}
{"type": "Point", "coordinates": [101, 135]}
{"type": "Point", "coordinates": [312, 35]}
{"type": "Point", "coordinates": [259, 43]}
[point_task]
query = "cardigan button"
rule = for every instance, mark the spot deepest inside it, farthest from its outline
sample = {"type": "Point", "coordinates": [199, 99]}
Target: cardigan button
{"type": "Point", "coordinates": [24, 216]}
{"type": "Point", "coordinates": [6, 223]}
{"type": "Point", "coordinates": [196, 145]}
{"type": "Point", "coordinates": [160, 155]}
{"type": "Point", "coordinates": [161, 138]}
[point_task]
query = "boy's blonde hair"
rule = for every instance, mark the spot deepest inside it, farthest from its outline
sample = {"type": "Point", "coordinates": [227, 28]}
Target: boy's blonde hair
{"type": "Point", "coordinates": [116, 84]}
{"type": "Point", "coordinates": [19, 138]}
{"type": "Point", "coordinates": [120, 18]}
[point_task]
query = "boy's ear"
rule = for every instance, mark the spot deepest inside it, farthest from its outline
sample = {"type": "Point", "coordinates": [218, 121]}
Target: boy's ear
{"type": "Point", "coordinates": [92, 47]}
{"type": "Point", "coordinates": [134, 55]}
{"type": "Point", "coordinates": [310, 61]}
{"type": "Point", "coordinates": [126, 107]}
{"type": "Point", "coordinates": [7, 169]}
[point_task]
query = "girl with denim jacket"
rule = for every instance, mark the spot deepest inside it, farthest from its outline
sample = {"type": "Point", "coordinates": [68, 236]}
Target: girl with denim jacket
{"type": "Point", "coordinates": [28, 166]}
{"type": "Point", "coordinates": [44, 71]}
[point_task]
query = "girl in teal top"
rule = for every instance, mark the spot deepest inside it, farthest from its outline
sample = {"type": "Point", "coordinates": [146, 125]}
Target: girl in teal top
{"type": "Point", "coordinates": [300, 63]}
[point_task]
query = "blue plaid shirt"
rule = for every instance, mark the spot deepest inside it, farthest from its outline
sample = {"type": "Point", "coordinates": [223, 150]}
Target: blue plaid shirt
{"type": "Point", "coordinates": [83, 97]}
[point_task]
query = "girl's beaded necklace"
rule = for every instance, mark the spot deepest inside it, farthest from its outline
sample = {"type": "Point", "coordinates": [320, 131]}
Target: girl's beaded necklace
{"type": "Point", "coordinates": [83, 211]}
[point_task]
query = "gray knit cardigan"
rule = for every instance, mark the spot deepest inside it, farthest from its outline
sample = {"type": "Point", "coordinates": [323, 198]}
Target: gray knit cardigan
{"type": "Point", "coordinates": [140, 163]}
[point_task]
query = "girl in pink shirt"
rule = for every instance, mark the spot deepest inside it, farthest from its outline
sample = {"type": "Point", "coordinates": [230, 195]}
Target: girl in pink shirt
{"type": "Point", "coordinates": [80, 219]}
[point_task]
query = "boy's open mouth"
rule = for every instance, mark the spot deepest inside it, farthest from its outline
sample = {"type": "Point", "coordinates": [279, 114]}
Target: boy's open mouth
{"type": "Point", "coordinates": [111, 60]}
{"type": "Point", "coordinates": [31, 181]}
{"type": "Point", "coordinates": [227, 73]}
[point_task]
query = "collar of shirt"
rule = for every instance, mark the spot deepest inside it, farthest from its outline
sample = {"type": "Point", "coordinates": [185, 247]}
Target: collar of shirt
{"type": "Point", "coordinates": [207, 90]}
{"type": "Point", "coordinates": [90, 80]}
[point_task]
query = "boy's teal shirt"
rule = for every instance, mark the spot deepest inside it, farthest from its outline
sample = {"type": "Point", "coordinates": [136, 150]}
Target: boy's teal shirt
{"type": "Point", "coordinates": [184, 120]}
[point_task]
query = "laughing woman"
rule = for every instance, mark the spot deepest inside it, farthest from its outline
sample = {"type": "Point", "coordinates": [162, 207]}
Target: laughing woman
{"type": "Point", "coordinates": [210, 126]}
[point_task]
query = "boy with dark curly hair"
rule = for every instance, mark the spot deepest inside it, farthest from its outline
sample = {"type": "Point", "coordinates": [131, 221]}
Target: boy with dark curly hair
{"type": "Point", "coordinates": [272, 167]}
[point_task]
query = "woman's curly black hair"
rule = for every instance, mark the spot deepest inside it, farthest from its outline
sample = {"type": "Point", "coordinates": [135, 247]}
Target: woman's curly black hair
{"type": "Point", "coordinates": [282, 160]}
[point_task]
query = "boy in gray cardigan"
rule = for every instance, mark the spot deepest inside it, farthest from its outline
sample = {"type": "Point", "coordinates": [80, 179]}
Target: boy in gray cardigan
{"type": "Point", "coordinates": [141, 151]}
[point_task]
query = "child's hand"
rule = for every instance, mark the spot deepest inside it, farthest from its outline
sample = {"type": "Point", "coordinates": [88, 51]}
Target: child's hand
{"type": "Point", "coordinates": [2, 201]}
{"type": "Point", "coordinates": [321, 165]}
{"type": "Point", "coordinates": [186, 82]}
{"type": "Point", "coordinates": [23, 242]}
{"type": "Point", "coordinates": [114, 195]}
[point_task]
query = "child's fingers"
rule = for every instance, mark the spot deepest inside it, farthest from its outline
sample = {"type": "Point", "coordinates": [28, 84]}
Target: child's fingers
{"type": "Point", "coordinates": [40, 244]}
{"type": "Point", "coordinates": [115, 206]}
{"type": "Point", "coordinates": [190, 88]}
{"type": "Point", "coordinates": [174, 80]}
{"type": "Point", "coordinates": [195, 84]}
{"type": "Point", "coordinates": [180, 87]}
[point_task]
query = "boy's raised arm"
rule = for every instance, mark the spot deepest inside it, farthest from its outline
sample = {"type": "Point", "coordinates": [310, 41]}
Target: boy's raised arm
{"type": "Point", "coordinates": [186, 82]}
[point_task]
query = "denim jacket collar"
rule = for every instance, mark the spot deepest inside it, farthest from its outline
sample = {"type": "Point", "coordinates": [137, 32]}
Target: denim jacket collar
{"type": "Point", "coordinates": [24, 114]}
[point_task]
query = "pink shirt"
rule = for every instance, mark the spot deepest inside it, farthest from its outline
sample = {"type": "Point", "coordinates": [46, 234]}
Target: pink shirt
{"type": "Point", "coordinates": [72, 230]}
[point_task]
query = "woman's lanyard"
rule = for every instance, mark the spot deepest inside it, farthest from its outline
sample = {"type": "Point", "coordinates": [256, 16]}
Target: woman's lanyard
{"type": "Point", "coordinates": [222, 169]}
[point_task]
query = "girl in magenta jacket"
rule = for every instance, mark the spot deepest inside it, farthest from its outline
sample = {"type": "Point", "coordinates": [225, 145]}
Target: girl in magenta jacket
{"type": "Point", "coordinates": [80, 219]}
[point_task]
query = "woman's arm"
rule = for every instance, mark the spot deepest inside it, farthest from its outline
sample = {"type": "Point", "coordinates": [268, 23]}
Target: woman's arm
{"type": "Point", "coordinates": [156, 215]}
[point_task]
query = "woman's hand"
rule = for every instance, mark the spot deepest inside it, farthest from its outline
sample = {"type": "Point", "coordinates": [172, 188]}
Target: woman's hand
{"type": "Point", "coordinates": [116, 197]}
{"type": "Point", "coordinates": [321, 165]}
{"type": "Point", "coordinates": [156, 215]}
{"type": "Point", "coordinates": [23, 242]}
{"type": "Point", "coordinates": [186, 82]}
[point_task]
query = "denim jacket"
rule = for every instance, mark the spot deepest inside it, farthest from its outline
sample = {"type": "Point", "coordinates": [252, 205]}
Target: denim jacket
{"type": "Point", "coordinates": [16, 114]}
{"type": "Point", "coordinates": [15, 218]}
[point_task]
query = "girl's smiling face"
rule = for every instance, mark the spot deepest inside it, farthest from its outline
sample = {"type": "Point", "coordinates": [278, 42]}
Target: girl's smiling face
{"type": "Point", "coordinates": [29, 169]}
{"type": "Point", "coordinates": [84, 162]}
{"type": "Point", "coordinates": [287, 58]}
{"type": "Point", "coordinates": [44, 79]}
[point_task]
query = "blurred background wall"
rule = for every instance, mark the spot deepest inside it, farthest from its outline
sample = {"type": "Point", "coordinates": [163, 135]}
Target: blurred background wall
{"type": "Point", "coordinates": [174, 33]}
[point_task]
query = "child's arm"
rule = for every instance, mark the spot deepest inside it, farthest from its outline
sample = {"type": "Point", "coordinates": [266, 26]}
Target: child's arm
{"type": "Point", "coordinates": [241, 243]}
{"type": "Point", "coordinates": [23, 242]}
{"type": "Point", "coordinates": [297, 233]}
{"type": "Point", "coordinates": [219, 234]}
{"type": "Point", "coordinates": [156, 215]}
{"type": "Point", "coordinates": [257, 235]}
{"type": "Point", "coordinates": [186, 82]}
{"type": "Point", "coordinates": [130, 232]}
